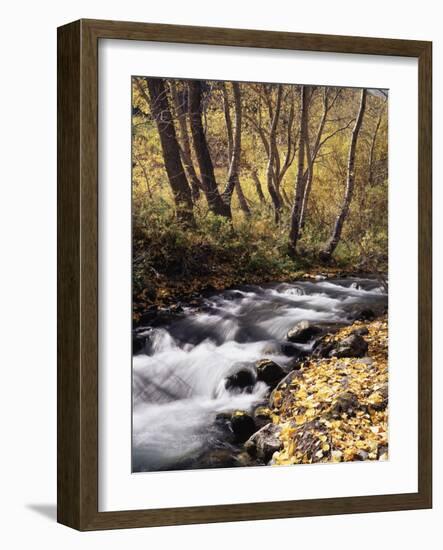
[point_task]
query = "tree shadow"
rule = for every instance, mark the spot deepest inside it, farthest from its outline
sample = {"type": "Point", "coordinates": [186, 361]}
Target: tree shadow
{"type": "Point", "coordinates": [48, 511]}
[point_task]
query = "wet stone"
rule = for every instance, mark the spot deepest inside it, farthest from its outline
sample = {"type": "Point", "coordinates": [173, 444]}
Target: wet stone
{"type": "Point", "coordinates": [264, 443]}
{"type": "Point", "coordinates": [352, 346]}
{"type": "Point", "coordinates": [243, 379]}
{"type": "Point", "coordinates": [269, 372]}
{"type": "Point", "coordinates": [242, 425]}
{"type": "Point", "coordinates": [303, 332]}
{"type": "Point", "coordinates": [346, 403]}
{"type": "Point", "coordinates": [362, 331]}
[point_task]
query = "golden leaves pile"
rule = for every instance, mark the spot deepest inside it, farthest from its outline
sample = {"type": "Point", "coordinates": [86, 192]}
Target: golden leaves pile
{"type": "Point", "coordinates": [336, 409]}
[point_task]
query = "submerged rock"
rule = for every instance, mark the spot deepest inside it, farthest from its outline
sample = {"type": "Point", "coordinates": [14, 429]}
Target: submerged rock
{"type": "Point", "coordinates": [223, 421]}
{"type": "Point", "coordinates": [245, 459]}
{"type": "Point", "coordinates": [217, 458]}
{"type": "Point", "coordinates": [264, 443]}
{"type": "Point", "coordinates": [291, 350]}
{"type": "Point", "coordinates": [141, 340]}
{"type": "Point", "coordinates": [269, 372]}
{"type": "Point", "coordinates": [242, 426]}
{"type": "Point", "coordinates": [155, 316]}
{"type": "Point", "coordinates": [243, 379]}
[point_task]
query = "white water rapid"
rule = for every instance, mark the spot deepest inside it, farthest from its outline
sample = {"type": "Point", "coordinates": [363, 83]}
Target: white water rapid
{"type": "Point", "coordinates": [179, 377]}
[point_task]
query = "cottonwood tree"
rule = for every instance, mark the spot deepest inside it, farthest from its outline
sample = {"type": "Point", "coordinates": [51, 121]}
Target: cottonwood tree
{"type": "Point", "coordinates": [294, 230]}
{"type": "Point", "coordinates": [234, 146]}
{"type": "Point", "coordinates": [350, 182]}
{"type": "Point", "coordinates": [288, 137]}
{"type": "Point", "coordinates": [257, 184]}
{"type": "Point", "coordinates": [219, 203]}
{"type": "Point", "coordinates": [215, 201]}
{"type": "Point", "coordinates": [161, 113]}
{"type": "Point", "coordinates": [271, 114]}
{"type": "Point", "coordinates": [272, 152]}
{"type": "Point", "coordinates": [373, 141]}
{"type": "Point", "coordinates": [329, 99]}
{"type": "Point", "coordinates": [181, 106]}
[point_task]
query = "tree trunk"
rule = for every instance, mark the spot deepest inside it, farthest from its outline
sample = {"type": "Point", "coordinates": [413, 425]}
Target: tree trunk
{"type": "Point", "coordinates": [145, 174]}
{"type": "Point", "coordinates": [244, 206]}
{"type": "Point", "coordinates": [270, 174]}
{"type": "Point", "coordinates": [338, 226]}
{"type": "Point", "coordinates": [171, 152]}
{"type": "Point", "coordinates": [234, 141]}
{"type": "Point", "coordinates": [258, 186]}
{"type": "Point", "coordinates": [372, 149]}
{"type": "Point", "coordinates": [311, 154]}
{"type": "Point", "coordinates": [180, 105]}
{"type": "Point", "coordinates": [215, 202]}
{"type": "Point", "coordinates": [280, 171]}
{"type": "Point", "coordinates": [228, 121]}
{"type": "Point", "coordinates": [294, 230]}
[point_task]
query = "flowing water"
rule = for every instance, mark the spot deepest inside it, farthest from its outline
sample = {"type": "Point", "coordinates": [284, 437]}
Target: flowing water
{"type": "Point", "coordinates": [179, 378]}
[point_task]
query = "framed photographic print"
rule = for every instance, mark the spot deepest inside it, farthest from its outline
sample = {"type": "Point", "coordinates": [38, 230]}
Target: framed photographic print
{"type": "Point", "coordinates": [244, 275]}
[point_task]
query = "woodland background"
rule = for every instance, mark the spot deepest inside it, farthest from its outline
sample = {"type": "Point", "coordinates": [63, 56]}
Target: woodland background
{"type": "Point", "coordinates": [246, 182]}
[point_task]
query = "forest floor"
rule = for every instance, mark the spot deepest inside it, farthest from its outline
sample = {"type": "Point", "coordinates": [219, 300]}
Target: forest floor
{"type": "Point", "coordinates": [335, 409]}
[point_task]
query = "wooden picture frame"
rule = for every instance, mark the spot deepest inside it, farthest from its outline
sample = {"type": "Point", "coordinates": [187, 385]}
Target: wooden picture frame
{"type": "Point", "coordinates": [78, 274]}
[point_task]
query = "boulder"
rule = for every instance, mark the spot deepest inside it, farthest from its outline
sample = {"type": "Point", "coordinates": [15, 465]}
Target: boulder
{"type": "Point", "coordinates": [138, 342]}
{"type": "Point", "coordinates": [155, 316]}
{"type": "Point", "coordinates": [275, 399]}
{"type": "Point", "coordinates": [291, 350]}
{"type": "Point", "coordinates": [366, 315]}
{"type": "Point", "coordinates": [269, 372]}
{"type": "Point", "coordinates": [141, 340]}
{"type": "Point", "coordinates": [361, 455]}
{"type": "Point", "coordinates": [223, 421]}
{"type": "Point", "coordinates": [312, 441]}
{"type": "Point", "coordinates": [295, 363]}
{"type": "Point", "coordinates": [323, 347]}
{"type": "Point", "coordinates": [262, 416]}
{"type": "Point", "coordinates": [242, 426]}
{"type": "Point", "coordinates": [242, 379]}
{"type": "Point", "coordinates": [382, 452]}
{"type": "Point", "coordinates": [346, 403]}
{"type": "Point", "coordinates": [264, 443]}
{"type": "Point", "coordinates": [362, 331]}
{"type": "Point", "coordinates": [366, 361]}
{"type": "Point", "coordinates": [217, 458]}
{"type": "Point", "coordinates": [149, 315]}
{"type": "Point", "coordinates": [352, 346]}
{"type": "Point", "coordinates": [303, 332]}
{"type": "Point", "coordinates": [378, 400]}
{"type": "Point", "coordinates": [244, 459]}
